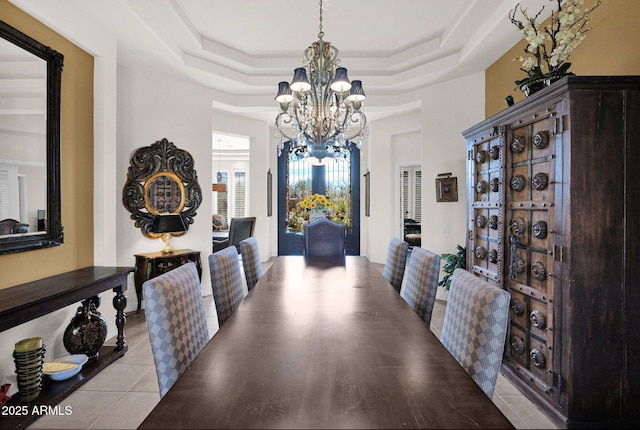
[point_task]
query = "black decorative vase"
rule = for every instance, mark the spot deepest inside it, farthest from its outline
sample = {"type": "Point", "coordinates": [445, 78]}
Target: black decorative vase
{"type": "Point", "coordinates": [534, 85]}
{"type": "Point", "coordinates": [87, 330]}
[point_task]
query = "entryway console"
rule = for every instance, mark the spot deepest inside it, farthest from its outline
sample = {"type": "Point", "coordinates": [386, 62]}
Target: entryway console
{"type": "Point", "coordinates": [28, 301]}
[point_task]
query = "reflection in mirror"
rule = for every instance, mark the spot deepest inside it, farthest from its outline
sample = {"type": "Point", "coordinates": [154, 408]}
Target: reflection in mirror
{"type": "Point", "coordinates": [29, 143]}
{"type": "Point", "coordinates": [161, 179]}
{"type": "Point", "coordinates": [164, 193]}
{"type": "Point", "coordinates": [23, 155]}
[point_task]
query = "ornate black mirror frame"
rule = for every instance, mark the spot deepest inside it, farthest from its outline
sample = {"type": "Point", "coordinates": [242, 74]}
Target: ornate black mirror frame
{"type": "Point", "coordinates": [161, 160]}
{"type": "Point", "coordinates": [53, 236]}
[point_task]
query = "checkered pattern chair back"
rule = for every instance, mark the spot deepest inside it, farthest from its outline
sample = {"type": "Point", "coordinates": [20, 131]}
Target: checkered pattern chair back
{"type": "Point", "coordinates": [396, 262]}
{"type": "Point", "coordinates": [324, 238]}
{"type": "Point", "coordinates": [226, 281]}
{"type": "Point", "coordinates": [475, 327]}
{"type": "Point", "coordinates": [176, 321]}
{"type": "Point", "coordinates": [419, 291]}
{"type": "Point", "coordinates": [251, 261]}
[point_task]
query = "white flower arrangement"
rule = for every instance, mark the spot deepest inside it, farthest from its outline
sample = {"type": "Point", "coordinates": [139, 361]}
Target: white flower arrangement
{"type": "Point", "coordinates": [548, 48]}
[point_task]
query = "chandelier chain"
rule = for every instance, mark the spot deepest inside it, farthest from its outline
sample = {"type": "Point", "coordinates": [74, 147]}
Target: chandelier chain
{"type": "Point", "coordinates": [321, 33]}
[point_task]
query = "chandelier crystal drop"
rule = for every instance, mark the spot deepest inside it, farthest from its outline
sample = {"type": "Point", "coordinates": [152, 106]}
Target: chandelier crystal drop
{"type": "Point", "coordinates": [320, 111]}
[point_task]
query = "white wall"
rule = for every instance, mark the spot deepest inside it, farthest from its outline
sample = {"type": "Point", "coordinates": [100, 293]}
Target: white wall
{"type": "Point", "coordinates": [261, 153]}
{"type": "Point", "coordinates": [180, 112]}
{"type": "Point", "coordinates": [447, 110]}
{"type": "Point", "coordinates": [384, 196]}
{"type": "Point", "coordinates": [406, 149]}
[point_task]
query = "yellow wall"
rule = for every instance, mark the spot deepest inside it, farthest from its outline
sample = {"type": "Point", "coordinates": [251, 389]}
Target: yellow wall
{"type": "Point", "coordinates": [610, 48]}
{"type": "Point", "coordinates": [76, 169]}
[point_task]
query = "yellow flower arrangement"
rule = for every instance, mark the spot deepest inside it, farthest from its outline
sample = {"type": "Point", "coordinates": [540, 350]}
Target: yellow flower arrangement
{"type": "Point", "coordinates": [297, 218]}
{"type": "Point", "coordinates": [316, 201]}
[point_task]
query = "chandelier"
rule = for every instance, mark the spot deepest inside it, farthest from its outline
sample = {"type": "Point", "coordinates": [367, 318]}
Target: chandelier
{"type": "Point", "coordinates": [320, 114]}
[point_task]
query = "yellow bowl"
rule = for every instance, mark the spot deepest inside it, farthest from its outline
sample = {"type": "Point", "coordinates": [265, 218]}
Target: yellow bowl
{"type": "Point", "coordinates": [64, 367]}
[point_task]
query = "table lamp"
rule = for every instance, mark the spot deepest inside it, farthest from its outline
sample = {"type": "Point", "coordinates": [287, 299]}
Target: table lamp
{"type": "Point", "coordinates": [166, 224]}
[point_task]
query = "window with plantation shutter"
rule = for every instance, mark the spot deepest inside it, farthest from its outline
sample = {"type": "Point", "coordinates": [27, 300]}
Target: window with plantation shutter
{"type": "Point", "coordinates": [240, 198]}
{"type": "Point", "coordinates": [405, 194]}
{"type": "Point", "coordinates": [411, 192]}
{"type": "Point", "coordinates": [4, 194]}
{"type": "Point", "coordinates": [418, 195]}
{"type": "Point", "coordinates": [222, 205]}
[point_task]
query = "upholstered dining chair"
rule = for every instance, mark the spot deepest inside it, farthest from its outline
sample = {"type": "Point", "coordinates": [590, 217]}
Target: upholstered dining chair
{"type": "Point", "coordinates": [226, 282]}
{"type": "Point", "coordinates": [251, 261]}
{"type": "Point", "coordinates": [239, 229]}
{"type": "Point", "coordinates": [475, 327]}
{"type": "Point", "coordinates": [176, 321]}
{"type": "Point", "coordinates": [419, 290]}
{"type": "Point", "coordinates": [324, 238]}
{"type": "Point", "coordinates": [396, 262]}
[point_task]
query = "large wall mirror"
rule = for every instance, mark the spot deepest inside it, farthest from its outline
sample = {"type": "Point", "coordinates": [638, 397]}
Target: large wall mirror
{"type": "Point", "coordinates": [29, 143]}
{"type": "Point", "coordinates": [161, 180]}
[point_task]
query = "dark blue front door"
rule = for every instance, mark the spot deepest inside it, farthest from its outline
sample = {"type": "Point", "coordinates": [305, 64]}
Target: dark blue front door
{"type": "Point", "coordinates": [298, 179]}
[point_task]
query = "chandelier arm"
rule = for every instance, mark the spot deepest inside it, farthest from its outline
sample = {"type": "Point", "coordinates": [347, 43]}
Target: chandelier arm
{"type": "Point", "coordinates": [324, 114]}
{"type": "Point", "coordinates": [282, 120]}
{"type": "Point", "coordinates": [300, 118]}
{"type": "Point", "coordinates": [341, 119]}
{"type": "Point", "coordinates": [360, 120]}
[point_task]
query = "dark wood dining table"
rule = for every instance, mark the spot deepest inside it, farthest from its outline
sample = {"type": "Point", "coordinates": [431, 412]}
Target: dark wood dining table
{"type": "Point", "coordinates": [324, 344]}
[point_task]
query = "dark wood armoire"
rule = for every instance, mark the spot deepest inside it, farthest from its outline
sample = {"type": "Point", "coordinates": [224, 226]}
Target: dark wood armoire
{"type": "Point", "coordinates": [554, 218]}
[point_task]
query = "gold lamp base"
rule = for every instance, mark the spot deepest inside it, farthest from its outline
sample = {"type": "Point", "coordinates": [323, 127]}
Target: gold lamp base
{"type": "Point", "coordinates": [168, 249]}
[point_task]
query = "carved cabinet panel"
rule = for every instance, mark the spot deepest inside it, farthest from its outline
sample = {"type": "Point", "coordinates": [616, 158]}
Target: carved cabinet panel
{"type": "Point", "coordinates": [530, 165]}
{"type": "Point", "coordinates": [552, 207]}
{"type": "Point", "coordinates": [486, 193]}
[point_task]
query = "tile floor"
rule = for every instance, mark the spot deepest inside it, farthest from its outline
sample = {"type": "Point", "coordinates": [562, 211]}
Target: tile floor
{"type": "Point", "coordinates": [123, 394]}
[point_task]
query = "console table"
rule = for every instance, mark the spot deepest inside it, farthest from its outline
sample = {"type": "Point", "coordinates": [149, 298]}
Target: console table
{"type": "Point", "coordinates": [29, 301]}
{"type": "Point", "coordinates": [152, 264]}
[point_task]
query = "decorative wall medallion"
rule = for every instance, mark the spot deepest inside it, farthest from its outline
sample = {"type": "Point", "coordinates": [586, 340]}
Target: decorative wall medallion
{"type": "Point", "coordinates": [493, 222]}
{"type": "Point", "coordinates": [517, 306]}
{"type": "Point", "coordinates": [480, 221]}
{"type": "Point", "coordinates": [480, 252]}
{"type": "Point", "coordinates": [539, 229]}
{"type": "Point", "coordinates": [518, 226]}
{"type": "Point", "coordinates": [481, 187]}
{"type": "Point", "coordinates": [493, 256]}
{"type": "Point", "coordinates": [494, 185]}
{"type": "Point", "coordinates": [540, 181]}
{"type": "Point", "coordinates": [494, 152]}
{"type": "Point", "coordinates": [481, 157]}
{"type": "Point", "coordinates": [518, 144]}
{"type": "Point", "coordinates": [541, 140]}
{"type": "Point", "coordinates": [537, 319]}
{"type": "Point", "coordinates": [518, 182]}
{"type": "Point", "coordinates": [538, 271]}
{"type": "Point", "coordinates": [537, 358]}
{"type": "Point", "coordinates": [517, 344]}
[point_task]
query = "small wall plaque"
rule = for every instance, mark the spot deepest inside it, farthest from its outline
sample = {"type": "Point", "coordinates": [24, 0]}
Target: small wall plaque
{"type": "Point", "coordinates": [447, 188]}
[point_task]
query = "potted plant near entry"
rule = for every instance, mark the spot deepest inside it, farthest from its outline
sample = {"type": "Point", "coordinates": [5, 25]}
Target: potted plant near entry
{"type": "Point", "coordinates": [451, 263]}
